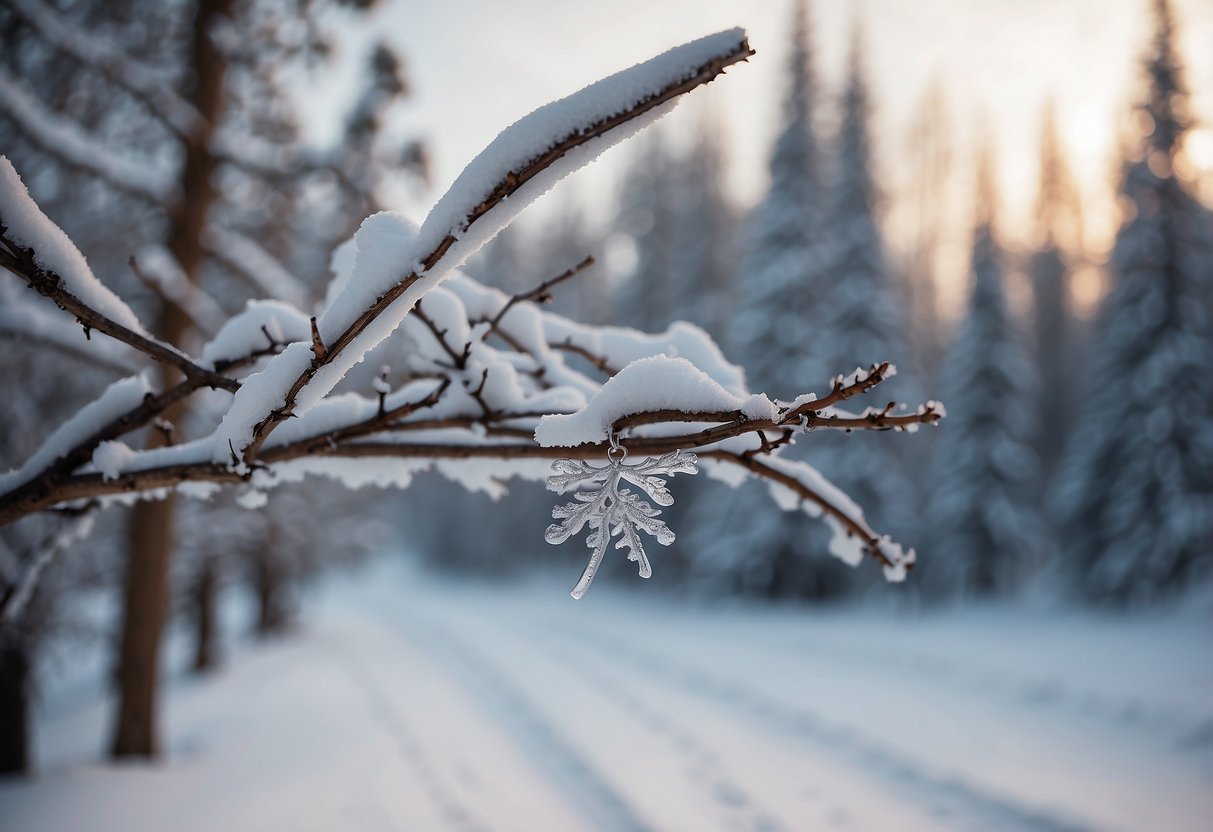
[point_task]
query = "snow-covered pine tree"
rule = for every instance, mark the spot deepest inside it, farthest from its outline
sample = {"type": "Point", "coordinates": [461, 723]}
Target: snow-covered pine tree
{"type": "Point", "coordinates": [1054, 327]}
{"type": "Point", "coordinates": [1136, 491]}
{"type": "Point", "coordinates": [925, 205]}
{"type": "Point", "coordinates": [703, 262]}
{"type": "Point", "coordinates": [779, 286]}
{"type": "Point", "coordinates": [780, 273]}
{"type": "Point", "coordinates": [865, 319]}
{"type": "Point", "coordinates": [674, 210]}
{"type": "Point", "coordinates": [984, 526]}
{"type": "Point", "coordinates": [644, 298]}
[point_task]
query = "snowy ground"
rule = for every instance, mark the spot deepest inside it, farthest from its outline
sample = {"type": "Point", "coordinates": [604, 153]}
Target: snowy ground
{"type": "Point", "coordinates": [413, 704]}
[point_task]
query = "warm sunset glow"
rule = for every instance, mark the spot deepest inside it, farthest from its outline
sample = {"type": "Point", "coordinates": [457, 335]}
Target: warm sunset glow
{"type": "Point", "coordinates": [1198, 151]}
{"type": "Point", "coordinates": [996, 62]}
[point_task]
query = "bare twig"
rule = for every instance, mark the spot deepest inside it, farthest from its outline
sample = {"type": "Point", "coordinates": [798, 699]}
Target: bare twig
{"type": "Point", "coordinates": [458, 359]}
{"type": "Point", "coordinates": [876, 374]}
{"type": "Point", "coordinates": [599, 362]}
{"type": "Point", "coordinates": [15, 596]}
{"type": "Point", "coordinates": [541, 293]}
{"type": "Point", "coordinates": [21, 262]}
{"type": "Point", "coordinates": [317, 343]}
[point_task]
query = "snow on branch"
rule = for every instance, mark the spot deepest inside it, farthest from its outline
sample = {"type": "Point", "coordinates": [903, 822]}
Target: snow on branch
{"type": "Point", "coordinates": [72, 145]}
{"type": "Point", "coordinates": [15, 595]}
{"type": "Point", "coordinates": [65, 443]}
{"type": "Point", "coordinates": [476, 422]}
{"type": "Point", "coordinates": [483, 391]}
{"type": "Point", "coordinates": [36, 250]}
{"type": "Point", "coordinates": [23, 224]}
{"type": "Point", "coordinates": [520, 164]}
{"type": "Point", "coordinates": [28, 322]}
{"type": "Point", "coordinates": [657, 384]}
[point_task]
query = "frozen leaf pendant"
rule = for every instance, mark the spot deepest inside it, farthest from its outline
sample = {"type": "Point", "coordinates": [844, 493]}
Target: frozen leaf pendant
{"type": "Point", "coordinates": [612, 511]}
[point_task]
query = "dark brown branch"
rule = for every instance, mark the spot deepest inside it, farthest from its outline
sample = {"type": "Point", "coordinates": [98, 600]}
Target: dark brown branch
{"type": "Point", "coordinates": [806, 416]}
{"type": "Point", "coordinates": [20, 261]}
{"type": "Point", "coordinates": [876, 374]}
{"type": "Point", "coordinates": [760, 469]}
{"type": "Point", "coordinates": [540, 294]}
{"type": "Point", "coordinates": [598, 361]}
{"type": "Point", "coordinates": [93, 485]}
{"type": "Point", "coordinates": [317, 343]}
{"type": "Point", "coordinates": [152, 406]}
{"type": "Point", "coordinates": [332, 443]}
{"type": "Point", "coordinates": [509, 185]}
{"type": "Point", "coordinates": [458, 359]}
{"type": "Point", "coordinates": [728, 424]}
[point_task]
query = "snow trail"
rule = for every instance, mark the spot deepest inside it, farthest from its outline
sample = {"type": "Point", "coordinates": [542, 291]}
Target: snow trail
{"type": "Point", "coordinates": [420, 704]}
{"type": "Point", "coordinates": [970, 805]}
{"type": "Point", "coordinates": [593, 793]}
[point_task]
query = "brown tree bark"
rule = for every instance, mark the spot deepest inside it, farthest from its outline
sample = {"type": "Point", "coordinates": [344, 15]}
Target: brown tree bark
{"type": "Point", "coordinates": [204, 596]}
{"type": "Point", "coordinates": [146, 597]}
{"type": "Point", "coordinates": [14, 708]}
{"type": "Point", "coordinates": [270, 580]}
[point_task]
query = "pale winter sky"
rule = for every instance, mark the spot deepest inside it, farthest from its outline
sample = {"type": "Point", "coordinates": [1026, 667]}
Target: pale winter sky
{"type": "Point", "coordinates": [478, 65]}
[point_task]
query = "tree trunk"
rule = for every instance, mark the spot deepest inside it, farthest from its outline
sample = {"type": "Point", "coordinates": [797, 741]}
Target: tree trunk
{"type": "Point", "coordinates": [14, 708]}
{"type": "Point", "coordinates": [273, 603]}
{"type": "Point", "coordinates": [146, 600]}
{"type": "Point", "coordinates": [205, 594]}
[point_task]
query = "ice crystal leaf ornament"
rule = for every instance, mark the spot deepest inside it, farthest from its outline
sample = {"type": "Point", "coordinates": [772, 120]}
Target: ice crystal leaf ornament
{"type": "Point", "coordinates": [612, 511]}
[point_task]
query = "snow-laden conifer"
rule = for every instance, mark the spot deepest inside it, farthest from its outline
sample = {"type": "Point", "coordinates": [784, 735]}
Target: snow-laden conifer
{"type": "Point", "coordinates": [983, 524]}
{"type": "Point", "coordinates": [862, 321]}
{"type": "Point", "coordinates": [779, 277]}
{"type": "Point", "coordinates": [1136, 493]}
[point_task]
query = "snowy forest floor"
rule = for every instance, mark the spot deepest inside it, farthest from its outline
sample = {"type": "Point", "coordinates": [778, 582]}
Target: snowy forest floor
{"type": "Point", "coordinates": [410, 703]}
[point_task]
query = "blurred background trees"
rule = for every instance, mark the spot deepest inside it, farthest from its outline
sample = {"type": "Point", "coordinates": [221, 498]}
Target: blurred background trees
{"type": "Point", "coordinates": [123, 111]}
{"type": "Point", "coordinates": [1049, 395]}
{"type": "Point", "coordinates": [1079, 443]}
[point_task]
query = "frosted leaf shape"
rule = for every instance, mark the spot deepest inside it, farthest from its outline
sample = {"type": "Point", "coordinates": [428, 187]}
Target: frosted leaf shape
{"type": "Point", "coordinates": [614, 512]}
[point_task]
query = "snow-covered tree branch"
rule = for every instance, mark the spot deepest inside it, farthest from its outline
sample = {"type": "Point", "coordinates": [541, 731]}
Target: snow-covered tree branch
{"type": "Point", "coordinates": [476, 383]}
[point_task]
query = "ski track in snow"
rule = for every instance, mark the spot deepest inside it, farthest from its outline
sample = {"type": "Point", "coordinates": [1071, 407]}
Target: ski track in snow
{"type": "Point", "coordinates": [1009, 688]}
{"type": "Point", "coordinates": [958, 804]}
{"type": "Point", "coordinates": [701, 764]}
{"type": "Point", "coordinates": [449, 805]}
{"type": "Point", "coordinates": [546, 744]}
{"type": "Point", "coordinates": [970, 806]}
{"type": "Point", "coordinates": [494, 708]}
{"type": "Point", "coordinates": [951, 804]}
{"type": "Point", "coordinates": [953, 795]}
